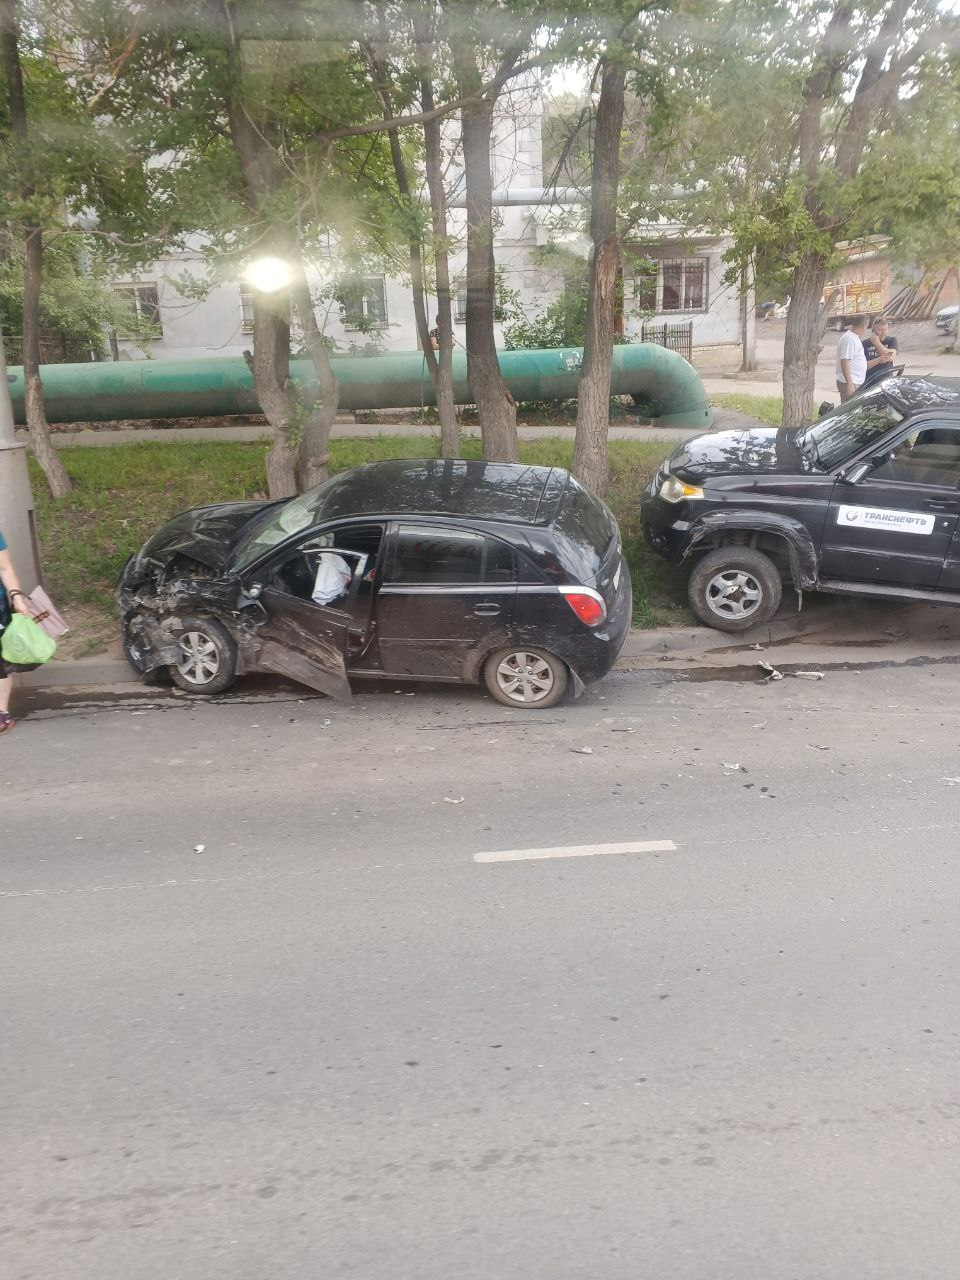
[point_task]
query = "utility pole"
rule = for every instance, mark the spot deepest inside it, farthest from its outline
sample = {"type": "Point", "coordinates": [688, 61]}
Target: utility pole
{"type": "Point", "coordinates": [17, 518]}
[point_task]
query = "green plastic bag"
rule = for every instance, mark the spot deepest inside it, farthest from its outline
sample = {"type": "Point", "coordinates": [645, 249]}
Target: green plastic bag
{"type": "Point", "coordinates": [25, 642]}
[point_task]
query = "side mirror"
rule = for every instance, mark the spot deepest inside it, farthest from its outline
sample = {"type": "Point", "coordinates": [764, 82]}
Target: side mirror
{"type": "Point", "coordinates": [254, 590]}
{"type": "Point", "coordinates": [858, 472]}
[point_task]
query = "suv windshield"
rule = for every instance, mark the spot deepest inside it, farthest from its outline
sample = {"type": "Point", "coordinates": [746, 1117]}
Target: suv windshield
{"type": "Point", "coordinates": [839, 436]}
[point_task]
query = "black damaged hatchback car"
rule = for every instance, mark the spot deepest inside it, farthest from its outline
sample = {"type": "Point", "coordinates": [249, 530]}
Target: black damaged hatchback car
{"type": "Point", "coordinates": [424, 570]}
{"type": "Point", "coordinates": [866, 501]}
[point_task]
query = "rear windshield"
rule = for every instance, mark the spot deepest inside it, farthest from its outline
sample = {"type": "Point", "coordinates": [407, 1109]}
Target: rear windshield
{"type": "Point", "coordinates": [584, 531]}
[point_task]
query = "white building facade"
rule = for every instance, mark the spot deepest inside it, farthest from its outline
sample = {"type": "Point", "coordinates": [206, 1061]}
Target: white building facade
{"type": "Point", "coordinates": [375, 312]}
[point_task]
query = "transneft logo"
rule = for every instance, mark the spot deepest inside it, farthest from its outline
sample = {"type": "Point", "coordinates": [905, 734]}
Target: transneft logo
{"type": "Point", "coordinates": [878, 518]}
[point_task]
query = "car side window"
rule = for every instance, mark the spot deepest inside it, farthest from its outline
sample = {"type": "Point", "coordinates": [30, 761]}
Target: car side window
{"type": "Point", "coordinates": [500, 561]}
{"type": "Point", "coordinates": [930, 455]}
{"type": "Point", "coordinates": [427, 555]}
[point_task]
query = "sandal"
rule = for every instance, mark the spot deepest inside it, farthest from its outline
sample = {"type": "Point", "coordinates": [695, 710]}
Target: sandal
{"type": "Point", "coordinates": [7, 722]}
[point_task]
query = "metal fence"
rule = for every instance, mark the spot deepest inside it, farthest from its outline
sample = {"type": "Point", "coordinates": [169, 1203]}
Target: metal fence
{"type": "Point", "coordinates": [675, 337]}
{"type": "Point", "coordinates": [54, 349]}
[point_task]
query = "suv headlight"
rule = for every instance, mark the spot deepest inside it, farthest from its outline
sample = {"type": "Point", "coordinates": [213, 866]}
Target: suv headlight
{"type": "Point", "coordinates": [675, 490]}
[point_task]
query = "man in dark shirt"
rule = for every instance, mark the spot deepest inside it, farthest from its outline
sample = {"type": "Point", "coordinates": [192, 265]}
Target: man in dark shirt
{"type": "Point", "coordinates": [880, 347]}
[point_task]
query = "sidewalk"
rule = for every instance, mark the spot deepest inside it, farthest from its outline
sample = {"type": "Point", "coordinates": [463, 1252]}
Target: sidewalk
{"type": "Point", "coordinates": [723, 420]}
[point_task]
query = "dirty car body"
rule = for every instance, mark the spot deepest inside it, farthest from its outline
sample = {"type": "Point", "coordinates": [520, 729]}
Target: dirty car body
{"type": "Point", "coordinates": [439, 568]}
{"type": "Point", "coordinates": [866, 501]}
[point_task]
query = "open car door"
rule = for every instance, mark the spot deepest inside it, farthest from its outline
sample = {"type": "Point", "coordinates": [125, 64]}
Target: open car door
{"type": "Point", "coordinates": [287, 635]}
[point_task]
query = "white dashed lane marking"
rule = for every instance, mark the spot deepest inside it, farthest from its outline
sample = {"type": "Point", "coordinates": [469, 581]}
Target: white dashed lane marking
{"type": "Point", "coordinates": [576, 851]}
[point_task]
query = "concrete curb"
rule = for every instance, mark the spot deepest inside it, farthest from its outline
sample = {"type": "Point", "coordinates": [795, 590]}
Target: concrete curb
{"type": "Point", "coordinates": [816, 637]}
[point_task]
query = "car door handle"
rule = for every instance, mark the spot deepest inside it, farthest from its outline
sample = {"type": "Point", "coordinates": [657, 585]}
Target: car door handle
{"type": "Point", "coordinates": [486, 610]}
{"type": "Point", "coordinates": [940, 506]}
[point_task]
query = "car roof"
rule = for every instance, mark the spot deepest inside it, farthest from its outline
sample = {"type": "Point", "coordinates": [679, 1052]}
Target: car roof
{"type": "Point", "coordinates": [910, 395]}
{"type": "Point", "coordinates": [445, 486]}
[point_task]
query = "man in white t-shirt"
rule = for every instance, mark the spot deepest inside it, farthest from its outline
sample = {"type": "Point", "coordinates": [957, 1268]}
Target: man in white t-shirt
{"type": "Point", "coordinates": [851, 358]}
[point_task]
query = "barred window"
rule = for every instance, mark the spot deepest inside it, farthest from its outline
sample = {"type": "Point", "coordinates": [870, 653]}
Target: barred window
{"type": "Point", "coordinates": [679, 284]}
{"type": "Point", "coordinates": [364, 302]}
{"type": "Point", "coordinates": [683, 284]}
{"type": "Point", "coordinates": [246, 308]}
{"type": "Point", "coordinates": [143, 301]}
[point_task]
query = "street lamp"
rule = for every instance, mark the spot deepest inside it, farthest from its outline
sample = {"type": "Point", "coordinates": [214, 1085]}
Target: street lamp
{"type": "Point", "coordinates": [268, 275]}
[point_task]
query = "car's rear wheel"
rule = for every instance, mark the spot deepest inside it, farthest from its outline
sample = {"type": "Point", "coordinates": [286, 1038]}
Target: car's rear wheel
{"type": "Point", "coordinates": [523, 677]}
{"type": "Point", "coordinates": [735, 588]}
{"type": "Point", "coordinates": [207, 661]}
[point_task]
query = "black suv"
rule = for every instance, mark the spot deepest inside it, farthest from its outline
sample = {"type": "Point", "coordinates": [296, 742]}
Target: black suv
{"type": "Point", "coordinates": [424, 570]}
{"type": "Point", "coordinates": [866, 501]}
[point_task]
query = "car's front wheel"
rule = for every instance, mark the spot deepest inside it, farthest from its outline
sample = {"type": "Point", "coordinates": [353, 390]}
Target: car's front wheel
{"type": "Point", "coordinates": [734, 588]}
{"type": "Point", "coordinates": [525, 677]}
{"type": "Point", "coordinates": [207, 659]}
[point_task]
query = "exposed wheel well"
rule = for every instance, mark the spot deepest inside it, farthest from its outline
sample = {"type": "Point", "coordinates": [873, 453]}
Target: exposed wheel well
{"type": "Point", "coordinates": [774, 545]}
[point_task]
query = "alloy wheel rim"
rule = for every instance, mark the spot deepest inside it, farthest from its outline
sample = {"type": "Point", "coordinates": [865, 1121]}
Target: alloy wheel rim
{"type": "Point", "coordinates": [524, 677]}
{"type": "Point", "coordinates": [734, 593]}
{"type": "Point", "coordinates": [199, 658]}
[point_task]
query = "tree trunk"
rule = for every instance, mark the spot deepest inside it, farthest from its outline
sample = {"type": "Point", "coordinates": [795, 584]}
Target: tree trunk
{"type": "Point", "coordinates": [43, 450]}
{"type": "Point", "coordinates": [802, 339]}
{"type": "Point", "coordinates": [270, 365]}
{"type": "Point", "coordinates": [433, 164]}
{"type": "Point", "coordinates": [590, 452]}
{"type": "Point", "coordinates": [748, 320]}
{"type": "Point", "coordinates": [496, 407]}
{"type": "Point", "coordinates": [313, 458]}
{"type": "Point", "coordinates": [270, 361]}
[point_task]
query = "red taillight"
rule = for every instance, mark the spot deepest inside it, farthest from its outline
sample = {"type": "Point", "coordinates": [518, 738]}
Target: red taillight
{"type": "Point", "coordinates": [587, 607]}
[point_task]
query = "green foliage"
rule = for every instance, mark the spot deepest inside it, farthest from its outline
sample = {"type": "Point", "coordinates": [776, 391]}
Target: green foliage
{"type": "Point", "coordinates": [76, 299]}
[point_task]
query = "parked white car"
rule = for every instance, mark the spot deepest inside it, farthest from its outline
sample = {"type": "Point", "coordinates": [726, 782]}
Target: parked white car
{"type": "Point", "coordinates": [946, 318]}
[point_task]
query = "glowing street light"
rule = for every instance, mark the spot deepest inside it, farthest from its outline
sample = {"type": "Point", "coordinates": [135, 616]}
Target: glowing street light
{"type": "Point", "coordinates": [268, 275]}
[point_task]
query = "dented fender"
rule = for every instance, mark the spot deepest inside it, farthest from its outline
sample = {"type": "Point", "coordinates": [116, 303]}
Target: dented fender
{"type": "Point", "coordinates": [803, 553]}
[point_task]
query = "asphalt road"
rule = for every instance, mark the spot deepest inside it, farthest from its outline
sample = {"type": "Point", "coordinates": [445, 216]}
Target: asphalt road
{"type": "Point", "coordinates": [267, 1018]}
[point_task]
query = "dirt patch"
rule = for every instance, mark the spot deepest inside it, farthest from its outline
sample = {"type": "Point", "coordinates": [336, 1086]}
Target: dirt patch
{"type": "Point", "coordinates": [94, 633]}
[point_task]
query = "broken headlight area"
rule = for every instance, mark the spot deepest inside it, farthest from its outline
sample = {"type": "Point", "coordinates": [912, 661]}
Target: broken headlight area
{"type": "Point", "coordinates": [153, 605]}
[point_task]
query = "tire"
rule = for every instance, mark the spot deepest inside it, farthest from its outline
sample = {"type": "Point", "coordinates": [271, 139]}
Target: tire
{"type": "Point", "coordinates": [208, 662]}
{"type": "Point", "coordinates": [735, 588]}
{"type": "Point", "coordinates": [538, 678]}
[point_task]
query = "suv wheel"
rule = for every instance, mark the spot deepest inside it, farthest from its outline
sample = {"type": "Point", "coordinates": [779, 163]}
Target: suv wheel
{"type": "Point", "coordinates": [528, 678]}
{"type": "Point", "coordinates": [208, 657]}
{"type": "Point", "coordinates": [734, 588]}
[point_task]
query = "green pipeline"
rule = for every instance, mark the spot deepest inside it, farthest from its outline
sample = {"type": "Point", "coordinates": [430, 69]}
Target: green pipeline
{"type": "Point", "coordinates": [665, 388]}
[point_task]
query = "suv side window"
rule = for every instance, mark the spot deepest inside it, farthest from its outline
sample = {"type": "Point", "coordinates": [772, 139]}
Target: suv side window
{"type": "Point", "coordinates": [929, 455]}
{"type": "Point", "coordinates": [428, 555]}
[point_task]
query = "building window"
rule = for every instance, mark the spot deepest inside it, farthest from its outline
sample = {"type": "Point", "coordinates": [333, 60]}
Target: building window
{"type": "Point", "coordinates": [460, 304]}
{"type": "Point", "coordinates": [143, 302]}
{"type": "Point", "coordinates": [363, 300]}
{"type": "Point", "coordinates": [246, 308]}
{"type": "Point", "coordinates": [683, 284]}
{"type": "Point", "coordinates": [680, 284]}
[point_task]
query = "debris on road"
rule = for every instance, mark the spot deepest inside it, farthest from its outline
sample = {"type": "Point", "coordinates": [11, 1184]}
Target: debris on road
{"type": "Point", "coordinates": [737, 767]}
{"type": "Point", "coordinates": [454, 799]}
{"type": "Point", "coordinates": [199, 848]}
{"type": "Point", "coordinates": [772, 672]}
{"type": "Point", "coordinates": [582, 751]}
{"type": "Point", "coordinates": [808, 675]}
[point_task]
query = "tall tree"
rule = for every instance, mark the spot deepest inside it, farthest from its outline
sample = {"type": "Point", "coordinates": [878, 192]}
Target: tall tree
{"type": "Point", "coordinates": [590, 453]}
{"type": "Point", "coordinates": [18, 141]}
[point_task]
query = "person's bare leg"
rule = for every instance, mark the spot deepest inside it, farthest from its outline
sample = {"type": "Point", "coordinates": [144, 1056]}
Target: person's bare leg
{"type": "Point", "coordinates": [6, 687]}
